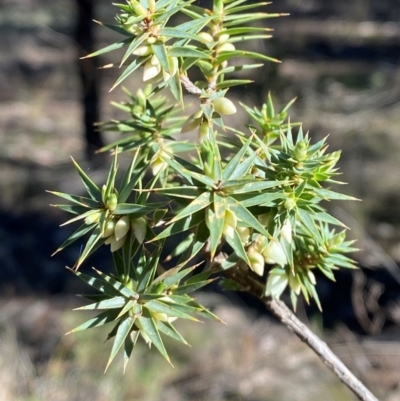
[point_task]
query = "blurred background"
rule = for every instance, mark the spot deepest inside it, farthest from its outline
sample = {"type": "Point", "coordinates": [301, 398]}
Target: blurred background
{"type": "Point", "coordinates": [341, 60]}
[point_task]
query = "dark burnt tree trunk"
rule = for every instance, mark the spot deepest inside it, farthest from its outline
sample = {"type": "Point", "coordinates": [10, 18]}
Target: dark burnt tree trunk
{"type": "Point", "coordinates": [89, 76]}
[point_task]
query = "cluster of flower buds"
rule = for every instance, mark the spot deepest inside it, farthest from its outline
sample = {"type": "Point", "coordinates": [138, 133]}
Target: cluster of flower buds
{"type": "Point", "coordinates": [117, 228]}
{"type": "Point", "coordinates": [263, 251]}
{"type": "Point", "coordinates": [153, 71]}
{"type": "Point", "coordinates": [222, 106]}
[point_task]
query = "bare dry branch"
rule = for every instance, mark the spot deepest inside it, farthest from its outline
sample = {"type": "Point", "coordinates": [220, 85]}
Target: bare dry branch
{"type": "Point", "coordinates": [289, 319]}
{"type": "Point", "coordinates": [240, 274]}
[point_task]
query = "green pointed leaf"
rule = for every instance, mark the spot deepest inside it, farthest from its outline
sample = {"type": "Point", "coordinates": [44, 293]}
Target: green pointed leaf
{"type": "Point", "coordinates": [182, 246]}
{"type": "Point", "coordinates": [90, 186]}
{"type": "Point", "coordinates": [182, 308]}
{"type": "Point", "coordinates": [188, 288]}
{"type": "Point", "coordinates": [79, 200]}
{"type": "Point", "coordinates": [161, 54]}
{"type": "Point", "coordinates": [243, 214]}
{"type": "Point", "coordinates": [127, 307]}
{"type": "Point", "coordinates": [181, 225]}
{"type": "Point", "coordinates": [127, 188]}
{"type": "Point", "coordinates": [189, 174]}
{"type": "Point", "coordinates": [80, 232]}
{"type": "Point", "coordinates": [188, 192]}
{"type": "Point", "coordinates": [309, 224]}
{"type": "Point", "coordinates": [327, 194]}
{"type": "Point", "coordinates": [234, 20]}
{"type": "Point", "coordinates": [130, 69]}
{"type": "Point", "coordinates": [215, 222]}
{"type": "Point", "coordinates": [149, 270]}
{"type": "Point", "coordinates": [169, 330]}
{"type": "Point", "coordinates": [230, 171]}
{"type": "Point", "coordinates": [137, 210]}
{"type": "Point", "coordinates": [100, 320]}
{"type": "Point", "coordinates": [117, 285]}
{"type": "Point", "coordinates": [110, 48]}
{"type": "Point", "coordinates": [237, 246]}
{"type": "Point", "coordinates": [170, 280]}
{"type": "Point", "coordinates": [136, 42]}
{"type": "Point", "coordinates": [98, 284]}
{"type": "Point", "coordinates": [110, 183]}
{"type": "Point", "coordinates": [92, 241]}
{"type": "Point", "coordinates": [264, 199]}
{"type": "Point", "coordinates": [199, 242]}
{"type": "Point", "coordinates": [227, 55]}
{"type": "Point", "coordinates": [82, 216]}
{"type": "Point", "coordinates": [170, 310]}
{"type": "Point", "coordinates": [187, 51]}
{"type": "Point", "coordinates": [178, 32]}
{"type": "Point", "coordinates": [123, 331]}
{"type": "Point", "coordinates": [150, 328]}
{"type": "Point", "coordinates": [112, 303]}
{"type": "Point", "coordinates": [236, 68]}
{"type": "Point", "coordinates": [243, 186]}
{"type": "Point", "coordinates": [115, 28]}
{"type": "Point", "coordinates": [129, 344]}
{"type": "Point", "coordinates": [73, 209]}
{"type": "Point", "coordinates": [327, 218]}
{"type": "Point", "coordinates": [233, 82]}
{"type": "Point", "coordinates": [175, 86]}
{"type": "Point", "coordinates": [201, 202]}
{"type": "Point", "coordinates": [240, 9]}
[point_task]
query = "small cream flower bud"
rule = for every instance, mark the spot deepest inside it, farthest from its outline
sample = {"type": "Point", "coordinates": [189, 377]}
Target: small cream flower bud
{"type": "Point", "coordinates": [141, 51]}
{"type": "Point", "coordinates": [203, 131]}
{"type": "Point", "coordinates": [223, 37]}
{"type": "Point", "coordinates": [115, 245]}
{"type": "Point", "coordinates": [138, 8]}
{"type": "Point", "coordinates": [311, 277]}
{"type": "Point", "coordinates": [163, 317]}
{"type": "Point", "coordinates": [244, 234]}
{"type": "Point", "coordinates": [190, 124]}
{"type": "Point", "coordinates": [152, 5]}
{"type": "Point", "coordinates": [276, 284]}
{"type": "Point", "coordinates": [112, 202]}
{"type": "Point", "coordinates": [286, 231]}
{"type": "Point", "coordinates": [206, 37]}
{"type": "Point", "coordinates": [257, 263]}
{"type": "Point", "coordinates": [230, 218]}
{"type": "Point", "coordinates": [300, 151]}
{"type": "Point", "coordinates": [93, 218]}
{"type": "Point", "coordinates": [274, 254]}
{"type": "Point", "coordinates": [158, 163]}
{"type": "Point", "coordinates": [151, 69]}
{"type": "Point", "coordinates": [109, 230]}
{"type": "Point", "coordinates": [222, 105]}
{"type": "Point", "coordinates": [121, 227]}
{"type": "Point", "coordinates": [227, 47]}
{"type": "Point", "coordinates": [294, 284]}
{"type": "Point", "coordinates": [289, 204]}
{"type": "Point", "coordinates": [173, 68]}
{"type": "Point", "coordinates": [139, 228]}
{"type": "Point", "coordinates": [230, 224]}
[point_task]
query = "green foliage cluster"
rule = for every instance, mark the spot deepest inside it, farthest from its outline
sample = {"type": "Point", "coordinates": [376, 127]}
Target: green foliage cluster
{"type": "Point", "coordinates": [239, 199]}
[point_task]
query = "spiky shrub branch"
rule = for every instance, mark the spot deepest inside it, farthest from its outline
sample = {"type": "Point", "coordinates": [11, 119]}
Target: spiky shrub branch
{"type": "Point", "coordinates": [257, 209]}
